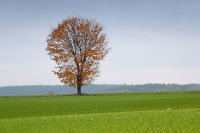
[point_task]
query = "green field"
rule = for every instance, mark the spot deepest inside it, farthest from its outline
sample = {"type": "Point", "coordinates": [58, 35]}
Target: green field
{"type": "Point", "coordinates": [133, 112]}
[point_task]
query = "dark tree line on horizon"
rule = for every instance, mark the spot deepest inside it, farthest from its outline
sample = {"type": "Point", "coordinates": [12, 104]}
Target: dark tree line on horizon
{"type": "Point", "coordinates": [93, 88]}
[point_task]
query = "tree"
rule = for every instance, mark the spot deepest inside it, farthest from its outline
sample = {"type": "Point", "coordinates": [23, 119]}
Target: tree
{"type": "Point", "coordinates": [77, 45]}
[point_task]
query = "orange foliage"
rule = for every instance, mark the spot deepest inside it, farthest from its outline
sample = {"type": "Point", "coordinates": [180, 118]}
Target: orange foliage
{"type": "Point", "coordinates": [77, 45]}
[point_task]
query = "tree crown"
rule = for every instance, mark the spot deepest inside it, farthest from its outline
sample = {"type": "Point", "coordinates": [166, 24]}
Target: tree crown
{"type": "Point", "coordinates": [77, 45]}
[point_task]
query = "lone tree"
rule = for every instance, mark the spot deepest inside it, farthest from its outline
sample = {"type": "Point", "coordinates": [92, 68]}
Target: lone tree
{"type": "Point", "coordinates": [77, 45]}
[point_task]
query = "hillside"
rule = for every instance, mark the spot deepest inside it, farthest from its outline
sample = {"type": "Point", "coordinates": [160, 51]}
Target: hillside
{"type": "Point", "coordinates": [104, 88]}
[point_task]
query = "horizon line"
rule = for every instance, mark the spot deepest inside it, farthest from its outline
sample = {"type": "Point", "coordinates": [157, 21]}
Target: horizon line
{"type": "Point", "coordinates": [103, 84]}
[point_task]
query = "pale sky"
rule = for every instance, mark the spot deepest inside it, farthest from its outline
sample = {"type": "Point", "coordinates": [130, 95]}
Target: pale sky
{"type": "Point", "coordinates": [152, 41]}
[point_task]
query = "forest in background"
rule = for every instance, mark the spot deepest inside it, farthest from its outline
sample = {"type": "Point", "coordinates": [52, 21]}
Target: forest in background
{"type": "Point", "coordinates": [93, 88]}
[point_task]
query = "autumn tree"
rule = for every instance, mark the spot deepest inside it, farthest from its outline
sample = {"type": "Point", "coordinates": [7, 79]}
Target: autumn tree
{"type": "Point", "coordinates": [77, 45]}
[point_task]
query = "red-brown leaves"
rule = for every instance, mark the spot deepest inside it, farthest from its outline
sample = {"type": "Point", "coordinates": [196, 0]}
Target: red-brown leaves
{"type": "Point", "coordinates": [77, 45]}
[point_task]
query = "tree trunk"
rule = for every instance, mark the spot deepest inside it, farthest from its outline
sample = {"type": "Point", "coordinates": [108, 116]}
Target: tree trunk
{"type": "Point", "coordinates": [79, 89]}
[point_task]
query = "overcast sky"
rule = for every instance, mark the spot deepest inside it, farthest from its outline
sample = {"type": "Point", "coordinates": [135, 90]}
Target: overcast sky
{"type": "Point", "coordinates": [152, 41]}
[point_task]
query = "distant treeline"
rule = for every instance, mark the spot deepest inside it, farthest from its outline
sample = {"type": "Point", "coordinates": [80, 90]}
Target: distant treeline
{"type": "Point", "coordinates": [93, 88]}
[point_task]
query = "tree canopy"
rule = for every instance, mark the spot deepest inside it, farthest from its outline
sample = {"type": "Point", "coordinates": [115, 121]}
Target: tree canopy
{"type": "Point", "coordinates": [77, 45]}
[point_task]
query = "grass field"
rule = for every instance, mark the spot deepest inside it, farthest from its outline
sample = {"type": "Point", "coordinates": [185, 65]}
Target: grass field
{"type": "Point", "coordinates": [132, 112]}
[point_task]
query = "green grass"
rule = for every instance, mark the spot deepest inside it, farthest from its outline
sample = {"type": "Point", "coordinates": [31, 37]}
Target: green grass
{"type": "Point", "coordinates": [133, 112]}
{"type": "Point", "coordinates": [153, 121]}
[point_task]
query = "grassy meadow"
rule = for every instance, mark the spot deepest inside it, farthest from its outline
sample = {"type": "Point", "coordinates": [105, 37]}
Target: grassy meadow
{"type": "Point", "coordinates": [132, 112]}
